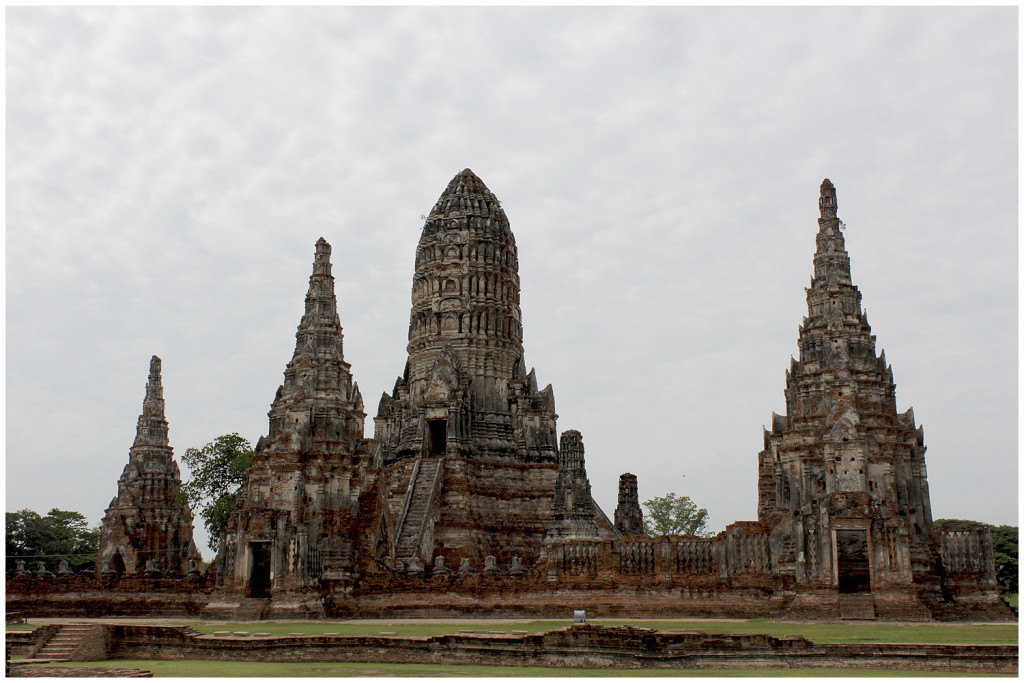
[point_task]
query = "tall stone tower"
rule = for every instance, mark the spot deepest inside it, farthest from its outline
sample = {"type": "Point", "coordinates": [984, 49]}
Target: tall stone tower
{"type": "Point", "coordinates": [293, 522]}
{"type": "Point", "coordinates": [841, 479]}
{"type": "Point", "coordinates": [467, 439]}
{"type": "Point", "coordinates": [145, 526]}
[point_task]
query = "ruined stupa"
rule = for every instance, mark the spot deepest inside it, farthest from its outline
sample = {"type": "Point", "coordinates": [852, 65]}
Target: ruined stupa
{"type": "Point", "coordinates": [842, 480]}
{"type": "Point", "coordinates": [573, 511]}
{"type": "Point", "coordinates": [466, 441]}
{"type": "Point", "coordinates": [629, 518]}
{"type": "Point", "coordinates": [145, 528]}
{"type": "Point", "coordinates": [294, 519]}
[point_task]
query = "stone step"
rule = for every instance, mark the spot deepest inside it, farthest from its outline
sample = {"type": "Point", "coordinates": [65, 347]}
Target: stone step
{"type": "Point", "coordinates": [419, 503]}
{"type": "Point", "coordinates": [856, 606]}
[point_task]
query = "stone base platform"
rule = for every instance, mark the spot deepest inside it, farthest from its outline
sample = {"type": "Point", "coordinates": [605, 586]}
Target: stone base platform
{"type": "Point", "coordinates": [19, 671]}
{"type": "Point", "coordinates": [578, 646]}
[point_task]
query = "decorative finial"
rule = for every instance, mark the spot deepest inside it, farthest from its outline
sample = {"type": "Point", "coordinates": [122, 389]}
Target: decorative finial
{"type": "Point", "coordinates": [827, 203]}
{"type": "Point", "coordinates": [152, 427]}
{"type": "Point", "coordinates": [154, 387]}
{"type": "Point", "coordinates": [322, 260]}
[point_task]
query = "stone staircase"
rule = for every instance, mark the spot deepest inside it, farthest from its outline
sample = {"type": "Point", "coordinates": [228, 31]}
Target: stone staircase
{"type": "Point", "coordinates": [417, 510]}
{"type": "Point", "coordinates": [252, 609]}
{"type": "Point", "coordinates": [232, 608]}
{"type": "Point", "coordinates": [62, 644]}
{"type": "Point", "coordinates": [856, 606]}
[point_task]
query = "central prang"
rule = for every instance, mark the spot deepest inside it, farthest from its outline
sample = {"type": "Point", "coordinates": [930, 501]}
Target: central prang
{"type": "Point", "coordinates": [467, 440]}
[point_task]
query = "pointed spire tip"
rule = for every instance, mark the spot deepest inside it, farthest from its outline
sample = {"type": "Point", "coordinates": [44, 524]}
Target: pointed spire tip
{"type": "Point", "coordinates": [827, 202]}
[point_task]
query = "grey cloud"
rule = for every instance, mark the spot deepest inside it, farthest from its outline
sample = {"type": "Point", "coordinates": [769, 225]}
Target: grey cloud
{"type": "Point", "coordinates": [169, 170]}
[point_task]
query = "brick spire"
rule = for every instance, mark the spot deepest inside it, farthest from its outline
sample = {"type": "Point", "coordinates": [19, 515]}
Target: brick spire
{"type": "Point", "coordinates": [152, 427]}
{"type": "Point", "coordinates": [572, 510]}
{"type": "Point", "coordinates": [319, 333]}
{"type": "Point", "coordinates": [317, 372]}
{"type": "Point", "coordinates": [629, 518]}
{"type": "Point", "coordinates": [841, 432]}
{"type": "Point", "coordinates": [145, 522]}
{"type": "Point", "coordinates": [831, 262]}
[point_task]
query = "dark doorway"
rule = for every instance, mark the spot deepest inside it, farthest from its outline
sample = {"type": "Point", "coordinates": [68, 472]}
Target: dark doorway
{"type": "Point", "coordinates": [259, 579]}
{"type": "Point", "coordinates": [852, 561]}
{"type": "Point", "coordinates": [117, 564]}
{"type": "Point", "coordinates": [438, 437]}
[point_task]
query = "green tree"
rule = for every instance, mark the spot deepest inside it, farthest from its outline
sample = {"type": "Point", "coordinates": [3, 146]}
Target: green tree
{"type": "Point", "coordinates": [218, 470]}
{"type": "Point", "coordinates": [1004, 550]}
{"type": "Point", "coordinates": [1007, 557]}
{"type": "Point", "coordinates": [60, 535]}
{"type": "Point", "coordinates": [673, 514]}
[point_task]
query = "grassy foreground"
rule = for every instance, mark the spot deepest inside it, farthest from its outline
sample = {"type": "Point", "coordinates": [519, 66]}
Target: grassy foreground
{"type": "Point", "coordinates": [195, 668]}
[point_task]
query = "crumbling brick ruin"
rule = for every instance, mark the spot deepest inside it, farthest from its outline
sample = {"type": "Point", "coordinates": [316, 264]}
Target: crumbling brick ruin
{"type": "Point", "coordinates": [574, 514]}
{"type": "Point", "coordinates": [841, 479]}
{"type": "Point", "coordinates": [295, 519]}
{"type": "Point", "coordinates": [146, 530]}
{"type": "Point", "coordinates": [464, 502]}
{"type": "Point", "coordinates": [629, 518]}
{"type": "Point", "coordinates": [466, 442]}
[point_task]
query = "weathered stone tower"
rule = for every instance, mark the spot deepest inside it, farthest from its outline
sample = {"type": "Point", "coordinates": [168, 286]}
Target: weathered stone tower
{"type": "Point", "coordinates": [842, 478]}
{"type": "Point", "coordinates": [573, 511]}
{"type": "Point", "coordinates": [294, 521]}
{"type": "Point", "coordinates": [629, 518]}
{"type": "Point", "coordinates": [145, 527]}
{"type": "Point", "coordinates": [467, 439]}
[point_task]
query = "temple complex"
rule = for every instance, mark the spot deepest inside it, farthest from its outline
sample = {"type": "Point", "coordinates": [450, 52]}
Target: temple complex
{"type": "Point", "coordinates": [146, 529]}
{"type": "Point", "coordinates": [465, 501]}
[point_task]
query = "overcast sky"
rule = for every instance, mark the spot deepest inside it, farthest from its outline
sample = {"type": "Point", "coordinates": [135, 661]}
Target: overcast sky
{"type": "Point", "coordinates": [169, 171]}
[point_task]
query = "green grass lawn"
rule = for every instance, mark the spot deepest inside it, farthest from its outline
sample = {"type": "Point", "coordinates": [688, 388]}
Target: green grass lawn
{"type": "Point", "coordinates": [22, 627]}
{"type": "Point", "coordinates": [193, 668]}
{"type": "Point", "coordinates": [819, 633]}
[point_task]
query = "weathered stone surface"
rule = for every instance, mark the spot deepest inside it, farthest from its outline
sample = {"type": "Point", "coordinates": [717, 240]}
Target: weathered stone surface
{"type": "Point", "coordinates": [465, 467]}
{"type": "Point", "coordinates": [295, 521]}
{"type": "Point", "coordinates": [580, 646]}
{"type": "Point", "coordinates": [574, 514]}
{"type": "Point", "coordinates": [629, 518]}
{"type": "Point", "coordinates": [145, 524]}
{"type": "Point", "coordinates": [86, 595]}
{"type": "Point", "coordinates": [466, 441]}
{"type": "Point", "coordinates": [841, 480]}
